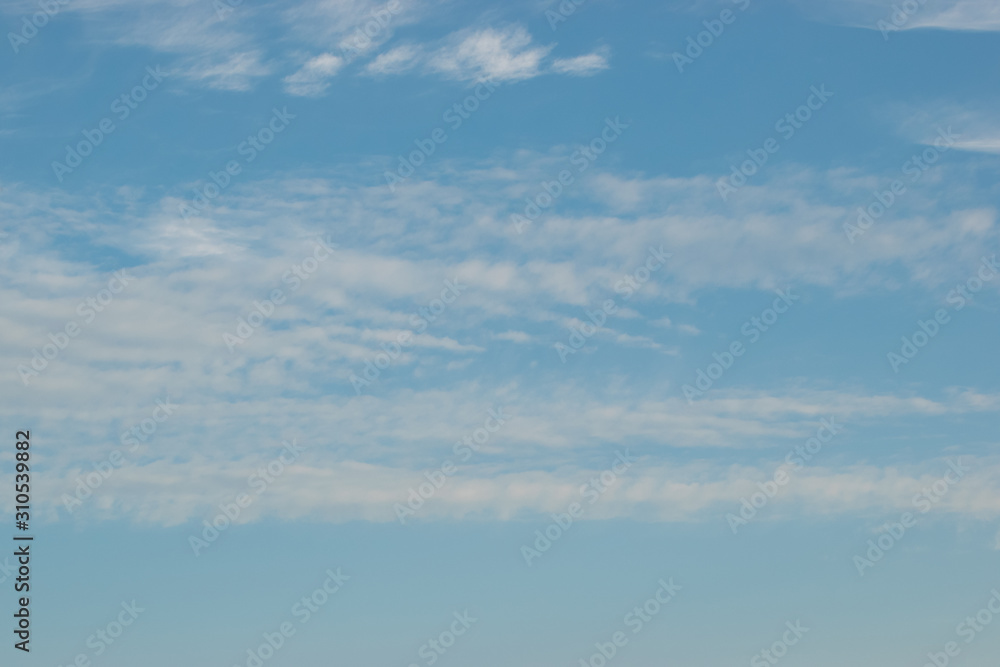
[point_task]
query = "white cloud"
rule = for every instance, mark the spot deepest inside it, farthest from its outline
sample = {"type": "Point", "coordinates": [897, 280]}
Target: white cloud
{"type": "Point", "coordinates": [969, 127]}
{"type": "Point", "coordinates": [395, 61]}
{"type": "Point", "coordinates": [513, 336]}
{"type": "Point", "coordinates": [312, 79]}
{"type": "Point", "coordinates": [629, 340]}
{"type": "Point", "coordinates": [237, 71]}
{"type": "Point", "coordinates": [168, 492]}
{"type": "Point", "coordinates": [164, 333]}
{"type": "Point", "coordinates": [499, 54]}
{"type": "Point", "coordinates": [226, 50]}
{"type": "Point", "coordinates": [352, 25]}
{"type": "Point", "coordinates": [972, 15]}
{"type": "Point", "coordinates": [586, 65]}
{"type": "Point", "coordinates": [888, 16]}
{"type": "Point", "coordinates": [222, 53]}
{"type": "Point", "coordinates": [666, 323]}
{"type": "Point", "coordinates": [226, 47]}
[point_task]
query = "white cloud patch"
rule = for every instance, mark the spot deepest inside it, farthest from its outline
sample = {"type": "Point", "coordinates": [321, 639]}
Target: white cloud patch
{"type": "Point", "coordinates": [313, 78]}
{"type": "Point", "coordinates": [667, 323]}
{"type": "Point", "coordinates": [216, 49]}
{"type": "Point", "coordinates": [170, 492]}
{"type": "Point", "coordinates": [193, 282]}
{"type": "Point", "coordinates": [971, 15]}
{"type": "Point", "coordinates": [969, 127]}
{"type": "Point", "coordinates": [232, 48]}
{"type": "Point", "coordinates": [585, 65]}
{"type": "Point", "coordinates": [500, 54]}
{"type": "Point", "coordinates": [888, 16]}
{"type": "Point", "coordinates": [395, 61]}
{"type": "Point", "coordinates": [513, 336]}
{"type": "Point", "coordinates": [236, 72]}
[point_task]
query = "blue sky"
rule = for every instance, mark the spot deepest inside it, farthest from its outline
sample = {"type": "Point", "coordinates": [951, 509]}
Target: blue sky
{"type": "Point", "coordinates": [504, 312]}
